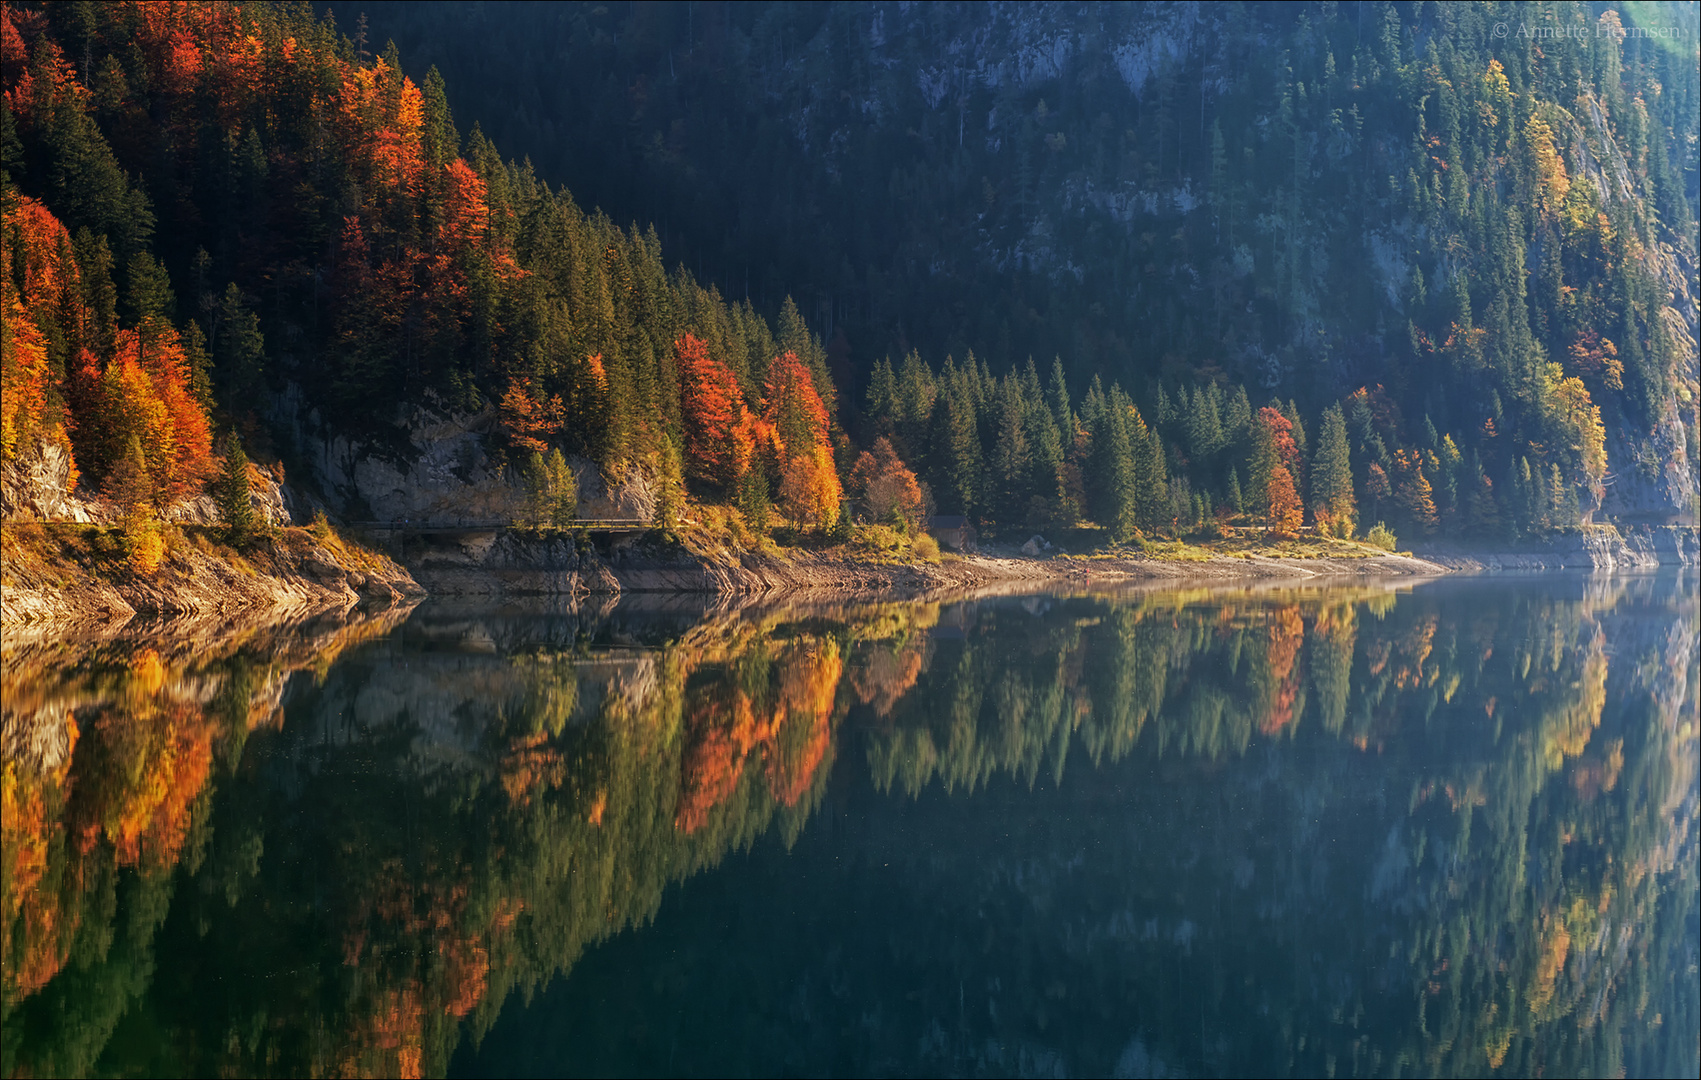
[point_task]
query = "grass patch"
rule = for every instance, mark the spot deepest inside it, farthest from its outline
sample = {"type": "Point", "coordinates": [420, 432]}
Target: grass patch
{"type": "Point", "coordinates": [886, 544]}
{"type": "Point", "coordinates": [323, 534]}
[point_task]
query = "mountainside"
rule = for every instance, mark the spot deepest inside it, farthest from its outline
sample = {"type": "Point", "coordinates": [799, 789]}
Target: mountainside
{"type": "Point", "coordinates": [1159, 271]}
{"type": "Point", "coordinates": [1442, 199]}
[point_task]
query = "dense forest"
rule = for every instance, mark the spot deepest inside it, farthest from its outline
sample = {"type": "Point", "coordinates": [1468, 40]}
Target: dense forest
{"type": "Point", "coordinates": [1467, 206]}
{"type": "Point", "coordinates": [1292, 265]}
{"type": "Point", "coordinates": [207, 203]}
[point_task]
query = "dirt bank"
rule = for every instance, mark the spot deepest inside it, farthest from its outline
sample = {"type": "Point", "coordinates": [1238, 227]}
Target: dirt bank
{"type": "Point", "coordinates": [513, 563]}
{"type": "Point", "coordinates": [62, 577]}
{"type": "Point", "coordinates": [834, 572]}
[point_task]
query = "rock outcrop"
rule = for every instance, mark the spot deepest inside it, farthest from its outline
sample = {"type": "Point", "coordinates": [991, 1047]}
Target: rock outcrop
{"type": "Point", "coordinates": [1598, 547]}
{"type": "Point", "coordinates": [37, 485]}
{"type": "Point", "coordinates": [440, 468]}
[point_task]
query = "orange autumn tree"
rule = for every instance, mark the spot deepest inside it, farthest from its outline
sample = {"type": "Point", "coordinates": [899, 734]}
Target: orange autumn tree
{"type": "Point", "coordinates": [721, 435]}
{"type": "Point", "coordinates": [24, 375]}
{"type": "Point", "coordinates": [145, 400]}
{"type": "Point", "coordinates": [41, 285]}
{"type": "Point", "coordinates": [528, 421]}
{"type": "Point", "coordinates": [1275, 458]}
{"type": "Point", "coordinates": [809, 487]}
{"type": "Point", "coordinates": [886, 485]}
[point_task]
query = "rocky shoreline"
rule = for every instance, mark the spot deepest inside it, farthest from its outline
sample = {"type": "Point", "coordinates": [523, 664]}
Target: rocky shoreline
{"type": "Point", "coordinates": [517, 564]}
{"type": "Point", "coordinates": [57, 579]}
{"type": "Point", "coordinates": [54, 579]}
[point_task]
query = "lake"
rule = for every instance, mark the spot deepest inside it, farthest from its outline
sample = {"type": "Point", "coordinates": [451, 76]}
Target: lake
{"type": "Point", "coordinates": [1430, 829]}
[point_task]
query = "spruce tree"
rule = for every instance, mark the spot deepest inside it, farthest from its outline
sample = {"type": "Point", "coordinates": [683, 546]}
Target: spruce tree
{"type": "Point", "coordinates": [233, 494]}
{"type": "Point", "coordinates": [1111, 472]}
{"type": "Point", "coordinates": [1204, 426]}
{"type": "Point", "coordinates": [1332, 475]}
{"type": "Point", "coordinates": [239, 352]}
{"type": "Point", "coordinates": [1012, 453]}
{"type": "Point", "coordinates": [1057, 397]}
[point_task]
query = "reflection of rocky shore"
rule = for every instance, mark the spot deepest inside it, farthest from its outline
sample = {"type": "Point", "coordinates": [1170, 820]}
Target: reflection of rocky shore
{"type": "Point", "coordinates": [365, 833]}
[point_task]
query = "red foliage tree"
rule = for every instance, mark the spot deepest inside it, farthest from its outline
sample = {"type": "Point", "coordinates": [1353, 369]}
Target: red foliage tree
{"type": "Point", "coordinates": [886, 485]}
{"type": "Point", "coordinates": [794, 407]}
{"type": "Point", "coordinates": [145, 398]}
{"type": "Point", "coordinates": [527, 420]}
{"type": "Point", "coordinates": [721, 435]}
{"type": "Point", "coordinates": [1275, 459]}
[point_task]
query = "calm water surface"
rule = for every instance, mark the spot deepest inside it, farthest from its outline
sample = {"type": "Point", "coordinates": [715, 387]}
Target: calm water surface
{"type": "Point", "coordinates": [1439, 830]}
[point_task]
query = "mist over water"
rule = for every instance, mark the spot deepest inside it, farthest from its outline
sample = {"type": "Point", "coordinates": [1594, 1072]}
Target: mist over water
{"type": "Point", "coordinates": [1344, 830]}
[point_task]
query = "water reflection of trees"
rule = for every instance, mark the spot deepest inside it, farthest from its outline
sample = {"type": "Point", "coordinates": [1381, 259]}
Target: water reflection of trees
{"type": "Point", "coordinates": [1528, 854]}
{"type": "Point", "coordinates": [454, 812]}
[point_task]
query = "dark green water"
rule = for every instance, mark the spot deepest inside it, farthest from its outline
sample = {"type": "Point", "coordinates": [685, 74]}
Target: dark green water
{"type": "Point", "coordinates": [1445, 830]}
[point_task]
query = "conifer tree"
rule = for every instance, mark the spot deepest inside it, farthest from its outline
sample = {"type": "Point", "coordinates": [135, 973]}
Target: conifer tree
{"type": "Point", "coordinates": [238, 353]}
{"type": "Point", "coordinates": [1332, 477]}
{"type": "Point", "coordinates": [235, 503]}
{"type": "Point", "coordinates": [1204, 425]}
{"type": "Point", "coordinates": [1112, 481]}
{"type": "Point", "coordinates": [1057, 397]}
{"type": "Point", "coordinates": [1012, 454]}
{"type": "Point", "coordinates": [957, 445]}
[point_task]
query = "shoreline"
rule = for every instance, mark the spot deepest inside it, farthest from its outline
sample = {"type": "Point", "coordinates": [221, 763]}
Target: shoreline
{"type": "Point", "coordinates": [69, 579]}
{"type": "Point", "coordinates": [58, 579]}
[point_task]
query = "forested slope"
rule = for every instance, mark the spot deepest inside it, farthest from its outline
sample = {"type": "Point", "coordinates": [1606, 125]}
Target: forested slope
{"type": "Point", "coordinates": [1440, 199]}
{"type": "Point", "coordinates": [1164, 268]}
{"type": "Point", "coordinates": [210, 205]}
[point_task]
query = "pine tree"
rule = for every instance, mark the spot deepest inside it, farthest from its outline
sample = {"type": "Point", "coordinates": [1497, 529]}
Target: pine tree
{"type": "Point", "coordinates": [1204, 426]}
{"type": "Point", "coordinates": [880, 404]}
{"type": "Point", "coordinates": [239, 351]}
{"type": "Point", "coordinates": [1045, 483]}
{"type": "Point", "coordinates": [1332, 476]}
{"type": "Point", "coordinates": [1057, 397]}
{"type": "Point", "coordinates": [1112, 481]}
{"type": "Point", "coordinates": [1012, 454]}
{"type": "Point", "coordinates": [957, 445]}
{"type": "Point", "coordinates": [235, 502]}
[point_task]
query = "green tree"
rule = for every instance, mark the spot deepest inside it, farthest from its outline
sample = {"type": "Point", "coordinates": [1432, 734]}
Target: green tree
{"type": "Point", "coordinates": [552, 495]}
{"type": "Point", "coordinates": [232, 492]}
{"type": "Point", "coordinates": [1332, 475]}
{"type": "Point", "coordinates": [239, 353]}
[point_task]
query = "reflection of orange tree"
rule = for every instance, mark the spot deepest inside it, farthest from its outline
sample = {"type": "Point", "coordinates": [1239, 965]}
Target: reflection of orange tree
{"type": "Point", "coordinates": [885, 675]}
{"type": "Point", "coordinates": [1281, 683]}
{"type": "Point", "coordinates": [122, 794]}
{"type": "Point", "coordinates": [109, 754]}
{"type": "Point", "coordinates": [790, 723]}
{"type": "Point", "coordinates": [32, 942]}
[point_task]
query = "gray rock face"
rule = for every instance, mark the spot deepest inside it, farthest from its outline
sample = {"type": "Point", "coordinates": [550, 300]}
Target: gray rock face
{"type": "Point", "coordinates": [444, 469]}
{"type": "Point", "coordinates": [36, 486]}
{"type": "Point", "coordinates": [1598, 548]}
